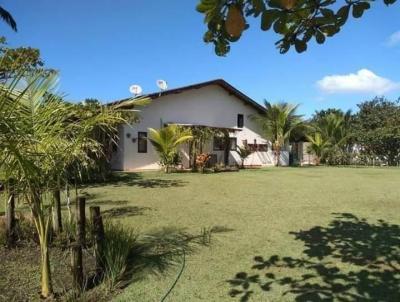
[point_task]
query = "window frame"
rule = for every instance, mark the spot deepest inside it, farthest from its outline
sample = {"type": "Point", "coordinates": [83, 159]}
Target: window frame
{"type": "Point", "coordinates": [240, 120]}
{"type": "Point", "coordinates": [142, 137]}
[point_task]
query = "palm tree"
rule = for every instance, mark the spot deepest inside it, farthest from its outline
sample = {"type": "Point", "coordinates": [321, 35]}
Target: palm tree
{"type": "Point", "coordinates": [8, 18]}
{"type": "Point", "coordinates": [166, 141]}
{"type": "Point", "coordinates": [243, 153]}
{"type": "Point", "coordinates": [278, 122]}
{"type": "Point", "coordinates": [335, 128]}
{"type": "Point", "coordinates": [39, 138]}
{"type": "Point", "coordinates": [317, 146]}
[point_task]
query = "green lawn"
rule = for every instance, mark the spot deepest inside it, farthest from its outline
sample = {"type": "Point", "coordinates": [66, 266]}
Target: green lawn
{"type": "Point", "coordinates": [289, 233]}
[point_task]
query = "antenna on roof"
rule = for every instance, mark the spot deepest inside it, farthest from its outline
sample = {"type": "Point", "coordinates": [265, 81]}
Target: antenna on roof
{"type": "Point", "coordinates": [135, 89]}
{"type": "Point", "coordinates": [162, 85]}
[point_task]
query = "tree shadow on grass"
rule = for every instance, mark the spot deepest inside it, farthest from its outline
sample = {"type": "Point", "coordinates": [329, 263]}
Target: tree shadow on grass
{"type": "Point", "coordinates": [156, 252]}
{"type": "Point", "coordinates": [134, 179]}
{"type": "Point", "coordinates": [348, 260]}
{"type": "Point", "coordinates": [127, 211]}
{"type": "Point", "coordinates": [157, 183]}
{"type": "Point", "coordinates": [107, 202]}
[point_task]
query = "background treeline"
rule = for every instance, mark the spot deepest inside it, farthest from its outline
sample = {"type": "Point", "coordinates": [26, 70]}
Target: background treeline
{"type": "Point", "coordinates": [369, 137]}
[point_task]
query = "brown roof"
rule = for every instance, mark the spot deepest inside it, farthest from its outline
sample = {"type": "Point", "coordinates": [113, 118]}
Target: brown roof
{"type": "Point", "coordinates": [220, 82]}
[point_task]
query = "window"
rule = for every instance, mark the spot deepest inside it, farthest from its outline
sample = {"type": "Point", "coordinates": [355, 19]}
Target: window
{"type": "Point", "coordinates": [240, 120]}
{"type": "Point", "coordinates": [219, 143]}
{"type": "Point", "coordinates": [142, 142]}
{"type": "Point", "coordinates": [258, 147]}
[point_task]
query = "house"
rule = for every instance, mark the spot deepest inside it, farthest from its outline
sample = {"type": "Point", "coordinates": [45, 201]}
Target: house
{"type": "Point", "coordinates": [215, 104]}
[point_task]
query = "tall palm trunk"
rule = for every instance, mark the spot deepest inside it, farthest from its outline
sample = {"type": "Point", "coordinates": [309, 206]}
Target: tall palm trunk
{"type": "Point", "coordinates": [277, 154]}
{"type": "Point", "coordinates": [42, 226]}
{"type": "Point", "coordinates": [45, 281]}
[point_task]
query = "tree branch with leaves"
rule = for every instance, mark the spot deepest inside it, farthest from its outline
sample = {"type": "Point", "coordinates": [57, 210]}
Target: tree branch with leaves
{"type": "Point", "coordinates": [297, 22]}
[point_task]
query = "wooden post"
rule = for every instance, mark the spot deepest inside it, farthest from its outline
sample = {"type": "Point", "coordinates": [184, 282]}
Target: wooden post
{"type": "Point", "coordinates": [10, 217]}
{"type": "Point", "coordinates": [57, 220]}
{"type": "Point", "coordinates": [99, 237]}
{"type": "Point", "coordinates": [80, 221]}
{"type": "Point", "coordinates": [76, 267]}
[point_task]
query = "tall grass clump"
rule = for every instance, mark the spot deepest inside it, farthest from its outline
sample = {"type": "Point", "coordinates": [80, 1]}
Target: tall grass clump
{"type": "Point", "coordinates": [118, 246]}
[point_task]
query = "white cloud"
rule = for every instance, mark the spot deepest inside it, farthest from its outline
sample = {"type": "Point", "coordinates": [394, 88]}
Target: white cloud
{"type": "Point", "coordinates": [364, 81]}
{"type": "Point", "coordinates": [394, 39]}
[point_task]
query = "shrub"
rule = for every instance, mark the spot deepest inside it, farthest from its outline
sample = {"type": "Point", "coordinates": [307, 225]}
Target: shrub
{"type": "Point", "coordinates": [118, 245]}
{"type": "Point", "coordinates": [25, 228]}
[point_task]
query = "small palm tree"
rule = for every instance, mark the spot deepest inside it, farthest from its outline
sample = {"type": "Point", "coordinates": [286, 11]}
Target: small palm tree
{"type": "Point", "coordinates": [40, 136]}
{"type": "Point", "coordinates": [335, 127]}
{"type": "Point", "coordinates": [243, 153]}
{"type": "Point", "coordinates": [8, 18]}
{"type": "Point", "coordinates": [317, 146]}
{"type": "Point", "coordinates": [278, 122]}
{"type": "Point", "coordinates": [166, 141]}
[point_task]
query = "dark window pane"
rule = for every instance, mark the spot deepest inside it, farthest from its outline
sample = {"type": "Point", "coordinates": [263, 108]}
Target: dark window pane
{"type": "Point", "coordinates": [240, 120]}
{"type": "Point", "coordinates": [142, 142]}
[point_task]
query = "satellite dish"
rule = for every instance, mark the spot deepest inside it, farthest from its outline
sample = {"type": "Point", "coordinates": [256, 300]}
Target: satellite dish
{"type": "Point", "coordinates": [162, 84]}
{"type": "Point", "coordinates": [135, 89]}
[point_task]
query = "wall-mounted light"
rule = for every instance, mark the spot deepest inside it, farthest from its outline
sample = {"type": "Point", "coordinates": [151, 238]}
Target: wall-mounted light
{"type": "Point", "coordinates": [128, 135]}
{"type": "Point", "coordinates": [134, 140]}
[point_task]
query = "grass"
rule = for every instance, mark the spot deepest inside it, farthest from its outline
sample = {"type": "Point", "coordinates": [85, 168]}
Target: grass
{"type": "Point", "coordinates": [277, 234]}
{"type": "Point", "coordinates": [279, 218]}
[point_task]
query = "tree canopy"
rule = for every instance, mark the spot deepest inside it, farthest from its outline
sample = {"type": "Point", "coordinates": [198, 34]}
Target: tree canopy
{"type": "Point", "coordinates": [377, 129]}
{"type": "Point", "coordinates": [297, 22]}
{"type": "Point", "coordinates": [17, 61]}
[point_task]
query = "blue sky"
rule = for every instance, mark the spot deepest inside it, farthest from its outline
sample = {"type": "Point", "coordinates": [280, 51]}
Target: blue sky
{"type": "Point", "coordinates": [102, 47]}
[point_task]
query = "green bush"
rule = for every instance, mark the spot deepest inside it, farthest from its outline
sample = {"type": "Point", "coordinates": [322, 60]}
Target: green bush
{"type": "Point", "coordinates": [335, 156]}
{"type": "Point", "coordinates": [118, 245]}
{"type": "Point", "coordinates": [26, 229]}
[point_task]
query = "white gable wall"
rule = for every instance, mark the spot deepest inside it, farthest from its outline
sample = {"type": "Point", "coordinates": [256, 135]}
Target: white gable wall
{"type": "Point", "coordinates": [209, 105]}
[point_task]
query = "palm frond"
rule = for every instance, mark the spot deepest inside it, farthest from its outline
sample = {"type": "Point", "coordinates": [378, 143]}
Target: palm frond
{"type": "Point", "coordinates": [8, 18]}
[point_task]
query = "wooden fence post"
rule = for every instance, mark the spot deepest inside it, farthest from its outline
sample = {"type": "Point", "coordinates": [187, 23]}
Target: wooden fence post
{"type": "Point", "coordinates": [10, 218]}
{"type": "Point", "coordinates": [76, 267]}
{"type": "Point", "coordinates": [80, 221]}
{"type": "Point", "coordinates": [99, 237]}
{"type": "Point", "coordinates": [57, 220]}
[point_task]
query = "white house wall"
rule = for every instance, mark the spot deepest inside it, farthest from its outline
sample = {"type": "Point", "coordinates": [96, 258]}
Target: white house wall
{"type": "Point", "coordinates": [209, 105]}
